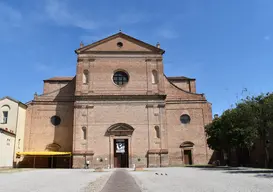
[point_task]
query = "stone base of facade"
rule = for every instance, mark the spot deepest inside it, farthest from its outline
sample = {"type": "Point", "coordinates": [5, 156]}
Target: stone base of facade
{"type": "Point", "coordinates": [158, 158]}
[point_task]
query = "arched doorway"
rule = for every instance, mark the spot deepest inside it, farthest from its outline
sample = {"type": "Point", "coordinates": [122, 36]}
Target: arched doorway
{"type": "Point", "coordinates": [186, 150]}
{"type": "Point", "coordinates": [120, 139]}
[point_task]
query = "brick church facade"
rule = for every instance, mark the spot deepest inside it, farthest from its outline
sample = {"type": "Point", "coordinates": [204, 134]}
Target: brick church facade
{"type": "Point", "coordinates": [119, 110]}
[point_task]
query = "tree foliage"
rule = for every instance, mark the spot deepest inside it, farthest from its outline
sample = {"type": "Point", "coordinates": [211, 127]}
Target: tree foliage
{"type": "Point", "coordinates": [242, 126]}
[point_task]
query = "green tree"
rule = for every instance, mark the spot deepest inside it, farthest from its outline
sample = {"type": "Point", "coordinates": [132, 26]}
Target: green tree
{"type": "Point", "coordinates": [242, 126]}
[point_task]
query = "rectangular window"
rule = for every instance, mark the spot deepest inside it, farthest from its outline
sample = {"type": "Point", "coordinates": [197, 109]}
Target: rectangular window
{"type": "Point", "coordinates": [5, 117]}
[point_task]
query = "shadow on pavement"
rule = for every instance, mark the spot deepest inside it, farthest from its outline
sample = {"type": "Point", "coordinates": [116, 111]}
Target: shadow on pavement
{"type": "Point", "coordinates": [262, 173]}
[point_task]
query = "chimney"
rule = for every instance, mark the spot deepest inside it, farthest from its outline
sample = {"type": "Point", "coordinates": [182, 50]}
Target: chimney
{"type": "Point", "coordinates": [158, 45]}
{"type": "Point", "coordinates": [81, 44]}
{"type": "Point", "coordinates": [216, 116]}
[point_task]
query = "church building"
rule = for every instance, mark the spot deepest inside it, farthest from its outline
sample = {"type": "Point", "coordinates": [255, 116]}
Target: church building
{"type": "Point", "coordinates": [119, 110]}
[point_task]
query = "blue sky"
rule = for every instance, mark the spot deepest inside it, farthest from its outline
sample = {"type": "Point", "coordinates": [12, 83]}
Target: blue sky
{"type": "Point", "coordinates": [227, 45]}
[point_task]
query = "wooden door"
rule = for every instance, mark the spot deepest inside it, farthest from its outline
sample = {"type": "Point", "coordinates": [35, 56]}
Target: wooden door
{"type": "Point", "coordinates": [187, 157]}
{"type": "Point", "coordinates": [121, 157]}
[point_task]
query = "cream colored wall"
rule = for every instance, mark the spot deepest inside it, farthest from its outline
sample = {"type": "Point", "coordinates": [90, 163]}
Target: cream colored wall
{"type": "Point", "coordinates": [12, 114]}
{"type": "Point", "coordinates": [19, 143]}
{"type": "Point", "coordinates": [6, 149]}
{"type": "Point", "coordinates": [16, 125]}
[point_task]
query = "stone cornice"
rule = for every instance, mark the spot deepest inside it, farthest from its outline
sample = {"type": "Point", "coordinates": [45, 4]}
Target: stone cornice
{"type": "Point", "coordinates": [157, 151]}
{"type": "Point", "coordinates": [121, 52]}
{"type": "Point", "coordinates": [85, 59]}
{"type": "Point", "coordinates": [83, 153]}
{"type": "Point", "coordinates": [119, 97]}
{"type": "Point", "coordinates": [50, 102]}
{"type": "Point", "coordinates": [184, 101]}
{"type": "Point", "coordinates": [162, 105]}
{"type": "Point", "coordinates": [159, 59]}
{"type": "Point", "coordinates": [149, 105]}
{"type": "Point", "coordinates": [77, 106]}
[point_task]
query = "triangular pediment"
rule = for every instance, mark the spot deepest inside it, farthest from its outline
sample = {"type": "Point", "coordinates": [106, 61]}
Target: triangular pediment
{"type": "Point", "coordinates": [120, 127]}
{"type": "Point", "coordinates": [119, 43]}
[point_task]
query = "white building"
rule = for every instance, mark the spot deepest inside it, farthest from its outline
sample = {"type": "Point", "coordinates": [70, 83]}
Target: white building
{"type": "Point", "coordinates": [12, 126]}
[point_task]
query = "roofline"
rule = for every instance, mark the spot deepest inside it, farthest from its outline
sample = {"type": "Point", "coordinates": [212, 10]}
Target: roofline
{"type": "Point", "coordinates": [55, 80]}
{"type": "Point", "coordinates": [64, 80]}
{"type": "Point", "coordinates": [7, 132]}
{"type": "Point", "coordinates": [77, 51]}
{"type": "Point", "coordinates": [14, 100]}
{"type": "Point", "coordinates": [200, 94]}
{"type": "Point", "coordinates": [180, 78]}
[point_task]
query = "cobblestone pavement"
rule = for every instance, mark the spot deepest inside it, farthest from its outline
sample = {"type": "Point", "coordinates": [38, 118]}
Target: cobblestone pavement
{"type": "Point", "coordinates": [121, 181]}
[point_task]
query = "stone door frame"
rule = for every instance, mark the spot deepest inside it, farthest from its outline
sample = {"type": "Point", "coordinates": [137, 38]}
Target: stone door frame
{"type": "Point", "coordinates": [111, 149]}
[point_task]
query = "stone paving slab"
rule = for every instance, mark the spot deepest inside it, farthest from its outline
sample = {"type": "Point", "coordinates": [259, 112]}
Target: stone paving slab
{"type": "Point", "coordinates": [121, 181]}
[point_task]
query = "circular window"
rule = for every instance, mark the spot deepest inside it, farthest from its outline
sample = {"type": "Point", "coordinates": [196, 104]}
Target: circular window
{"type": "Point", "coordinates": [120, 78]}
{"type": "Point", "coordinates": [119, 44]}
{"type": "Point", "coordinates": [185, 119]}
{"type": "Point", "coordinates": [55, 120]}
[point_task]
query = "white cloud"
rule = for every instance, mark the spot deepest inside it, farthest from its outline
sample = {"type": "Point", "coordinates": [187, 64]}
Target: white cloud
{"type": "Point", "coordinates": [167, 33]}
{"type": "Point", "coordinates": [267, 38]}
{"type": "Point", "coordinates": [9, 17]}
{"type": "Point", "coordinates": [60, 13]}
{"type": "Point", "coordinates": [63, 14]}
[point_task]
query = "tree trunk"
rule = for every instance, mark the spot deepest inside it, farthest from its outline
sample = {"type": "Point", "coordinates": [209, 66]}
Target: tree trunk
{"type": "Point", "coordinates": [266, 159]}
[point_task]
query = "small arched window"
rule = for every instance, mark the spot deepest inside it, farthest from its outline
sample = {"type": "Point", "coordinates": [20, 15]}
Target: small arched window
{"type": "Point", "coordinates": [157, 131]}
{"type": "Point", "coordinates": [154, 77]}
{"type": "Point", "coordinates": [85, 78]}
{"type": "Point", "coordinates": [5, 111]}
{"type": "Point", "coordinates": [84, 133]}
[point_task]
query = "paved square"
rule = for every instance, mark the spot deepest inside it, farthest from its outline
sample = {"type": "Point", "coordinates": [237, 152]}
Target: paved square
{"type": "Point", "coordinates": [50, 180]}
{"type": "Point", "coordinates": [205, 180]}
{"type": "Point", "coordinates": [153, 180]}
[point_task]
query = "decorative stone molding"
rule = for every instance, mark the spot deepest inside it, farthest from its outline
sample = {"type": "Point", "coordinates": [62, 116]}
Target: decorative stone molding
{"type": "Point", "coordinates": [119, 97]}
{"type": "Point", "coordinates": [50, 102]}
{"type": "Point", "coordinates": [148, 60]}
{"type": "Point", "coordinates": [85, 59]}
{"type": "Point", "coordinates": [89, 106]}
{"type": "Point", "coordinates": [91, 59]}
{"type": "Point", "coordinates": [161, 105]}
{"type": "Point", "coordinates": [78, 106]}
{"type": "Point", "coordinates": [79, 59]}
{"type": "Point", "coordinates": [157, 151]}
{"type": "Point", "coordinates": [83, 152]}
{"type": "Point", "coordinates": [149, 105]}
